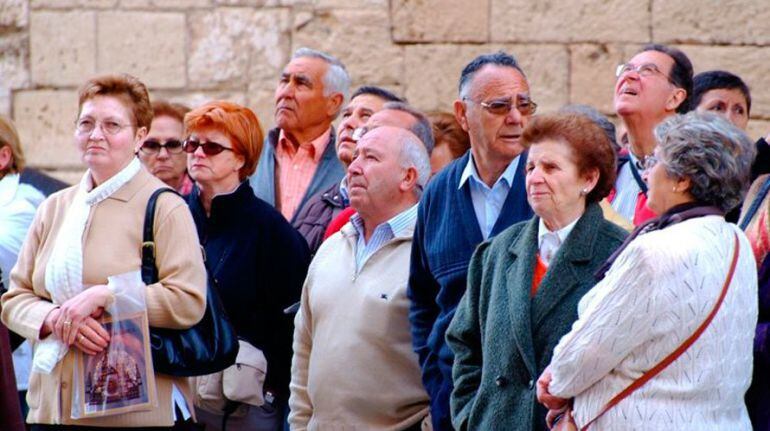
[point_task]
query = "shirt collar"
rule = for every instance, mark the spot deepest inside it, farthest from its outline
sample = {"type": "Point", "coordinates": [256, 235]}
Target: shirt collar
{"type": "Point", "coordinates": [561, 234]}
{"type": "Point", "coordinates": [315, 147]}
{"type": "Point", "coordinates": [399, 225]}
{"type": "Point", "coordinates": [471, 172]}
{"type": "Point", "coordinates": [344, 190]}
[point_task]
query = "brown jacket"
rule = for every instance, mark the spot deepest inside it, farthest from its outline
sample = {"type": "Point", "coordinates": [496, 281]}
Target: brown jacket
{"type": "Point", "coordinates": [111, 245]}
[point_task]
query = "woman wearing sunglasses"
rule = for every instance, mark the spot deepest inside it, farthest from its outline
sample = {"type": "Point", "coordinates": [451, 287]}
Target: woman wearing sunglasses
{"type": "Point", "coordinates": [161, 152]}
{"type": "Point", "coordinates": [258, 261]}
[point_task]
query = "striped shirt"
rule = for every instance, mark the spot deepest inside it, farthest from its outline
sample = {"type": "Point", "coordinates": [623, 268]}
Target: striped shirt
{"type": "Point", "coordinates": [294, 171]}
{"type": "Point", "coordinates": [382, 234]}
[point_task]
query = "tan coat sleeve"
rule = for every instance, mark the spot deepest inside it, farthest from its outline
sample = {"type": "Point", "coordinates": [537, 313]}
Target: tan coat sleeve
{"type": "Point", "coordinates": [23, 309]}
{"type": "Point", "coordinates": [301, 408]}
{"type": "Point", "coordinates": [178, 300]}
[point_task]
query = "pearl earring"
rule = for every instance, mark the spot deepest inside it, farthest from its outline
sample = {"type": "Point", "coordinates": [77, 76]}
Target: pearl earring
{"type": "Point", "coordinates": [584, 192]}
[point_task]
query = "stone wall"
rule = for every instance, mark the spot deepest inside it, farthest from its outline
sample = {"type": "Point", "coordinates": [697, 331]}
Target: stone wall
{"type": "Point", "coordinates": [195, 50]}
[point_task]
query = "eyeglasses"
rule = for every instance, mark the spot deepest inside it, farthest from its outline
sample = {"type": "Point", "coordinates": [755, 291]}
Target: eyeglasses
{"type": "Point", "coordinates": [86, 126]}
{"type": "Point", "coordinates": [209, 148]}
{"type": "Point", "coordinates": [650, 161]}
{"type": "Point", "coordinates": [646, 69]}
{"type": "Point", "coordinates": [153, 146]}
{"type": "Point", "coordinates": [503, 107]}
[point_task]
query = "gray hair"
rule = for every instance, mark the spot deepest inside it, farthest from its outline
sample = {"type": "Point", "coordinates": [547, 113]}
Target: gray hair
{"type": "Point", "coordinates": [422, 127]}
{"type": "Point", "coordinates": [714, 154]}
{"type": "Point", "coordinates": [336, 79]}
{"type": "Point", "coordinates": [414, 154]}
{"type": "Point", "coordinates": [500, 58]}
{"type": "Point", "coordinates": [597, 117]}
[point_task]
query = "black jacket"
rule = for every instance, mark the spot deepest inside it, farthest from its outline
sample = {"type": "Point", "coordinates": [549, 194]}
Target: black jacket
{"type": "Point", "coordinates": [258, 263]}
{"type": "Point", "coordinates": [314, 218]}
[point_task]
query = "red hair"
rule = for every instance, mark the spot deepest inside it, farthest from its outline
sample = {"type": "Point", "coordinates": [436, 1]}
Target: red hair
{"type": "Point", "coordinates": [237, 122]}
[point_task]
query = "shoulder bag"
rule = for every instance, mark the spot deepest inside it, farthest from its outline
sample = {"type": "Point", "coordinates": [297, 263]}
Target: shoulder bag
{"type": "Point", "coordinates": [566, 421]}
{"type": "Point", "coordinates": [210, 345]}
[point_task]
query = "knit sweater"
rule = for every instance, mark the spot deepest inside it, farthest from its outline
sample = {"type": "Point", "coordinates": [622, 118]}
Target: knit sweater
{"type": "Point", "coordinates": [353, 366]}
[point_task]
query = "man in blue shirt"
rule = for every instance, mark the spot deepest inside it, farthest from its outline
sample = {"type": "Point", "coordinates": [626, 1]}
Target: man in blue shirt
{"type": "Point", "coordinates": [474, 198]}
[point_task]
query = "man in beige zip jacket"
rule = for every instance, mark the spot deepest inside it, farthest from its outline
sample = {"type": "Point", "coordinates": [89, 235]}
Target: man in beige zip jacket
{"type": "Point", "coordinates": [353, 366]}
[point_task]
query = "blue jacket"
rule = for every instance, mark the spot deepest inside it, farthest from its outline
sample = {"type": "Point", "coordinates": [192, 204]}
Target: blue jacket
{"type": "Point", "coordinates": [258, 263]}
{"type": "Point", "coordinates": [329, 171]}
{"type": "Point", "coordinates": [445, 237]}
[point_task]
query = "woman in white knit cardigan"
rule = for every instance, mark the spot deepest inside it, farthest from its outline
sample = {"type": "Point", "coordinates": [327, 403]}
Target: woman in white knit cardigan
{"type": "Point", "coordinates": [660, 288]}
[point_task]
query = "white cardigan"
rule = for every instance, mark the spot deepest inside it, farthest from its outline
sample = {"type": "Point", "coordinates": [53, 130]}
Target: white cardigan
{"type": "Point", "coordinates": [658, 291]}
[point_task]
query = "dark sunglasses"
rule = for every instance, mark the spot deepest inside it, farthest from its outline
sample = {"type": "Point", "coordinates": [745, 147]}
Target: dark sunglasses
{"type": "Point", "coordinates": [209, 148]}
{"type": "Point", "coordinates": [153, 146]}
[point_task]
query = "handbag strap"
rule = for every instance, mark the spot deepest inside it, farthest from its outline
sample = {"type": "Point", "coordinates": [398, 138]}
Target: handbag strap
{"type": "Point", "coordinates": [149, 269]}
{"type": "Point", "coordinates": [755, 204]}
{"type": "Point", "coordinates": [654, 371]}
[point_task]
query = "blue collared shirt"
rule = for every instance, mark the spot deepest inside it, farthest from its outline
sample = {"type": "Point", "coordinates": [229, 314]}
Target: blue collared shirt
{"type": "Point", "coordinates": [626, 190]}
{"type": "Point", "coordinates": [383, 233]}
{"type": "Point", "coordinates": [488, 202]}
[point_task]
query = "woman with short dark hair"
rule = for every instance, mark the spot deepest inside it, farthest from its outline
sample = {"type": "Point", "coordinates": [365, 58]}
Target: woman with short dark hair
{"type": "Point", "coordinates": [523, 285]}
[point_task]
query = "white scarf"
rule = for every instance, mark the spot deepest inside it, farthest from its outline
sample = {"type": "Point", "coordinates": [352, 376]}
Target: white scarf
{"type": "Point", "coordinates": [64, 273]}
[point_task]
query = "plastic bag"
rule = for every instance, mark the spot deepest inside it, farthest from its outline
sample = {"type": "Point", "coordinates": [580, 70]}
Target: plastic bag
{"type": "Point", "coordinates": [121, 378]}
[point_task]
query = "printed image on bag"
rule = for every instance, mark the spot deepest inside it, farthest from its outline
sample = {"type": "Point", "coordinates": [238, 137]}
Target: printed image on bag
{"type": "Point", "coordinates": [120, 378]}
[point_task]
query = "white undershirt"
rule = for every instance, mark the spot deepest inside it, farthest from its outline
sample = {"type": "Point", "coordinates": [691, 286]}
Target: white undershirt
{"type": "Point", "coordinates": [549, 242]}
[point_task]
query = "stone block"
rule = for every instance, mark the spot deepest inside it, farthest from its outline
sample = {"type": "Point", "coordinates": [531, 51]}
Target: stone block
{"type": "Point", "coordinates": [750, 63]}
{"type": "Point", "coordinates": [343, 4]}
{"type": "Point", "coordinates": [45, 120]}
{"type": "Point", "coordinates": [758, 129]}
{"type": "Point", "coordinates": [711, 22]}
{"type": "Point", "coordinates": [150, 46]}
{"type": "Point", "coordinates": [261, 100]}
{"type": "Point", "coordinates": [258, 3]}
{"type": "Point", "coordinates": [440, 20]}
{"type": "Point", "coordinates": [14, 13]}
{"type": "Point", "coordinates": [164, 4]}
{"type": "Point", "coordinates": [359, 38]}
{"type": "Point", "coordinates": [193, 99]}
{"type": "Point", "coordinates": [14, 72]}
{"type": "Point", "coordinates": [233, 47]}
{"type": "Point", "coordinates": [576, 21]}
{"type": "Point", "coordinates": [433, 72]}
{"type": "Point", "coordinates": [592, 74]}
{"type": "Point", "coordinates": [62, 47]}
{"type": "Point", "coordinates": [68, 4]}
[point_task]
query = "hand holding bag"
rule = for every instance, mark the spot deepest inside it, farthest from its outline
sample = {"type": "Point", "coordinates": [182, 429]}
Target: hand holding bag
{"type": "Point", "coordinates": [210, 345]}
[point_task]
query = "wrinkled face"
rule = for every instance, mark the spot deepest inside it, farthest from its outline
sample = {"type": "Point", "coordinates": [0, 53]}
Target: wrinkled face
{"type": "Point", "coordinates": [104, 153]}
{"type": "Point", "coordinates": [299, 99]}
{"type": "Point", "coordinates": [375, 176]}
{"type": "Point", "coordinates": [167, 166]}
{"type": "Point", "coordinates": [496, 135]}
{"type": "Point", "coordinates": [216, 169]}
{"type": "Point", "coordinates": [355, 115]}
{"type": "Point", "coordinates": [648, 93]}
{"type": "Point", "coordinates": [661, 195]}
{"type": "Point", "coordinates": [554, 184]}
{"type": "Point", "coordinates": [729, 103]}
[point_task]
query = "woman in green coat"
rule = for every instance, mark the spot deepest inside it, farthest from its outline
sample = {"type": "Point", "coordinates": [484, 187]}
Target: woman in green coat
{"type": "Point", "coordinates": [524, 285]}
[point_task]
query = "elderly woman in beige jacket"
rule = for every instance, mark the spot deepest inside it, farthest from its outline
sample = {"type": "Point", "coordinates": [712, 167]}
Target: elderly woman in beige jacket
{"type": "Point", "coordinates": [88, 232]}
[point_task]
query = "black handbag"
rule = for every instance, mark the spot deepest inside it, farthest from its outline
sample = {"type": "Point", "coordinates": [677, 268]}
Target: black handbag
{"type": "Point", "coordinates": [210, 345]}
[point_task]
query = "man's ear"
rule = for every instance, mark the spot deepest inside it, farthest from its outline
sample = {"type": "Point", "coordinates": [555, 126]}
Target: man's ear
{"type": "Point", "coordinates": [334, 104]}
{"type": "Point", "coordinates": [460, 112]}
{"type": "Point", "coordinates": [409, 182]}
{"type": "Point", "coordinates": [676, 99]}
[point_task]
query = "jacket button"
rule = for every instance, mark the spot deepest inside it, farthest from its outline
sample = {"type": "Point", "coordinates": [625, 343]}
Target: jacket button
{"type": "Point", "coordinates": [500, 381]}
{"type": "Point", "coordinates": [531, 384]}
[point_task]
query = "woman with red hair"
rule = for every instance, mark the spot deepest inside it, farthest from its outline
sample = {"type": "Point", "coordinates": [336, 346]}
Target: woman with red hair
{"type": "Point", "coordinates": [257, 260]}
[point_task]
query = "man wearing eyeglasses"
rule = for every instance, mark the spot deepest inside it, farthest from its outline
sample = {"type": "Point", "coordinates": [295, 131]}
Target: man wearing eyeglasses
{"type": "Point", "coordinates": [654, 84]}
{"type": "Point", "coordinates": [298, 159]}
{"type": "Point", "coordinates": [161, 151]}
{"type": "Point", "coordinates": [469, 201]}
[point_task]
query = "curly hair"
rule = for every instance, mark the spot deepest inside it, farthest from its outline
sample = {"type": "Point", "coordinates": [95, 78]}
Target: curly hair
{"type": "Point", "coordinates": [715, 155]}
